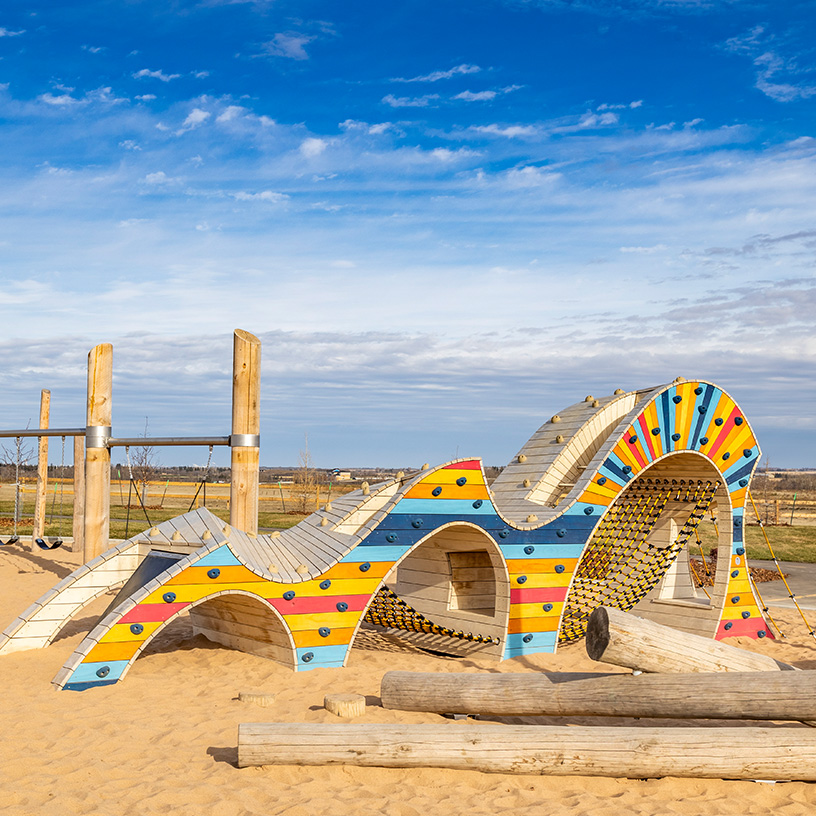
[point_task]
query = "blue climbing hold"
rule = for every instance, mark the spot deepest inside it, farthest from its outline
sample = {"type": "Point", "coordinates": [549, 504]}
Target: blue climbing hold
{"type": "Point", "coordinates": [342, 606]}
{"type": "Point", "coordinates": [738, 522]}
{"type": "Point", "coordinates": [602, 480]}
{"type": "Point", "coordinates": [588, 511]}
{"type": "Point", "coordinates": [529, 550]}
{"type": "Point", "coordinates": [677, 399]}
{"type": "Point", "coordinates": [522, 579]}
{"type": "Point", "coordinates": [136, 628]}
{"type": "Point", "coordinates": [391, 538]}
{"type": "Point", "coordinates": [740, 550]}
{"type": "Point", "coordinates": [632, 440]}
{"type": "Point", "coordinates": [746, 614]}
{"type": "Point", "coordinates": [676, 437]}
{"type": "Point", "coordinates": [734, 573]}
{"type": "Point", "coordinates": [547, 607]}
{"type": "Point", "coordinates": [436, 491]}
{"type": "Point", "coordinates": [324, 631]}
{"type": "Point", "coordinates": [698, 390]}
{"type": "Point", "coordinates": [477, 504]}
{"type": "Point", "coordinates": [655, 431]}
{"type": "Point", "coordinates": [289, 595]}
{"type": "Point", "coordinates": [703, 440]}
{"type": "Point", "coordinates": [747, 453]}
{"type": "Point", "coordinates": [169, 597]}
{"type": "Point", "coordinates": [743, 482]}
{"type": "Point", "coordinates": [761, 633]}
{"type": "Point", "coordinates": [325, 584]}
{"type": "Point", "coordinates": [103, 672]}
{"type": "Point", "coordinates": [308, 657]}
{"type": "Point", "coordinates": [527, 638]}
{"type": "Point", "coordinates": [365, 567]}
{"type": "Point", "coordinates": [718, 421]}
{"type": "Point", "coordinates": [735, 599]}
{"type": "Point", "coordinates": [726, 455]}
{"type": "Point", "coordinates": [728, 625]}
{"type": "Point", "coordinates": [213, 573]}
{"type": "Point", "coordinates": [701, 409]}
{"type": "Point", "coordinates": [738, 420]}
{"type": "Point", "coordinates": [627, 468]}
{"type": "Point", "coordinates": [416, 523]}
{"type": "Point", "coordinates": [504, 533]}
{"type": "Point", "coordinates": [462, 480]}
{"type": "Point", "coordinates": [561, 532]}
{"type": "Point", "coordinates": [559, 567]}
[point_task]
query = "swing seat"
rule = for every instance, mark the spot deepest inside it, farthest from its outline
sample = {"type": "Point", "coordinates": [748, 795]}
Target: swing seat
{"type": "Point", "coordinates": [44, 545]}
{"type": "Point", "coordinates": [12, 540]}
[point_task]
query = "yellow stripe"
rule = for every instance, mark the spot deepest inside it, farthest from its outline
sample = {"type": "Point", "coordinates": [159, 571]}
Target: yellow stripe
{"type": "Point", "coordinates": [735, 612]}
{"type": "Point", "coordinates": [449, 477]}
{"type": "Point", "coordinates": [104, 652]}
{"type": "Point", "coordinates": [533, 610]}
{"type": "Point", "coordinates": [543, 579]}
{"type": "Point", "coordinates": [314, 620]}
{"type": "Point", "coordinates": [198, 575]}
{"type": "Point", "coordinates": [682, 421]}
{"type": "Point", "coordinates": [120, 632]}
{"type": "Point", "coordinates": [546, 623]}
{"type": "Point", "coordinates": [652, 421]}
{"type": "Point", "coordinates": [536, 566]}
{"type": "Point", "coordinates": [596, 497]}
{"type": "Point", "coordinates": [424, 490]}
{"type": "Point", "coordinates": [724, 408]}
{"type": "Point", "coordinates": [336, 637]}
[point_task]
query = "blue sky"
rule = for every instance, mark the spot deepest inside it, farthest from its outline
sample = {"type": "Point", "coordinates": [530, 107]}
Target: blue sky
{"type": "Point", "coordinates": [445, 220]}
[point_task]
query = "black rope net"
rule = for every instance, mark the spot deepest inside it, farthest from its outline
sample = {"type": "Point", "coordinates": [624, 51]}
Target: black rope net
{"type": "Point", "coordinates": [389, 610]}
{"type": "Point", "coordinates": [621, 565]}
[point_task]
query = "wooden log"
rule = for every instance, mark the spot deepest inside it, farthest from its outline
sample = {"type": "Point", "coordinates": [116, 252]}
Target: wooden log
{"type": "Point", "coordinates": [723, 695]}
{"type": "Point", "coordinates": [625, 640]}
{"type": "Point", "coordinates": [260, 698]}
{"type": "Point", "coordinates": [41, 496]}
{"type": "Point", "coordinates": [246, 420]}
{"type": "Point", "coordinates": [79, 495]}
{"type": "Point", "coordinates": [97, 455]}
{"type": "Point", "coordinates": [718, 753]}
{"type": "Point", "coordinates": [345, 705]}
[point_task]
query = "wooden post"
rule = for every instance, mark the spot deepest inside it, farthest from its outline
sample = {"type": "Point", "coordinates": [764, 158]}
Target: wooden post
{"type": "Point", "coordinates": [97, 453]}
{"type": "Point", "coordinates": [789, 695]}
{"type": "Point", "coordinates": [41, 497]}
{"type": "Point", "coordinates": [79, 494]}
{"type": "Point", "coordinates": [713, 753]}
{"type": "Point", "coordinates": [776, 512]}
{"type": "Point", "coordinates": [626, 640]}
{"type": "Point", "coordinates": [246, 428]}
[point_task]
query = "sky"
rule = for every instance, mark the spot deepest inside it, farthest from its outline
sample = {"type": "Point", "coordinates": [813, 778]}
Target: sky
{"type": "Point", "coordinates": [445, 220]}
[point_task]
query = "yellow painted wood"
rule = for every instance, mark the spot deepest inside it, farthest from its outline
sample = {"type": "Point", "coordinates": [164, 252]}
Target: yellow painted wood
{"type": "Point", "coordinates": [594, 496]}
{"type": "Point", "coordinates": [534, 610]}
{"type": "Point", "coordinates": [314, 620]}
{"type": "Point", "coordinates": [544, 579]}
{"type": "Point", "coordinates": [379, 569]}
{"type": "Point", "coordinates": [449, 476]}
{"type": "Point", "coordinates": [229, 575]}
{"type": "Point", "coordinates": [424, 490]}
{"type": "Point", "coordinates": [312, 637]}
{"type": "Point", "coordinates": [683, 413]}
{"type": "Point", "coordinates": [121, 650]}
{"type": "Point", "coordinates": [546, 623]}
{"type": "Point", "coordinates": [120, 632]}
{"type": "Point", "coordinates": [534, 566]}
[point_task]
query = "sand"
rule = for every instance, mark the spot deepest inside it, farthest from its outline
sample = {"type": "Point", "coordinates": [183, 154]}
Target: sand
{"type": "Point", "coordinates": [163, 741]}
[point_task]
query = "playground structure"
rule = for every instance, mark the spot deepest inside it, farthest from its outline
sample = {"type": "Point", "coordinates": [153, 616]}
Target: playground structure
{"type": "Point", "coordinates": [596, 509]}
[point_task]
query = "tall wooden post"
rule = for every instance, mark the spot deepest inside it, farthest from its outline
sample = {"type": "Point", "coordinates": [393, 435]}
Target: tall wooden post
{"type": "Point", "coordinates": [246, 428]}
{"type": "Point", "coordinates": [97, 453]}
{"type": "Point", "coordinates": [41, 498]}
{"type": "Point", "coordinates": [79, 494]}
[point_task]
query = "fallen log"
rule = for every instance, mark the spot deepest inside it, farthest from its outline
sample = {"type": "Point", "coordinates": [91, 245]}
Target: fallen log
{"type": "Point", "coordinates": [735, 696]}
{"type": "Point", "coordinates": [719, 753]}
{"type": "Point", "coordinates": [622, 639]}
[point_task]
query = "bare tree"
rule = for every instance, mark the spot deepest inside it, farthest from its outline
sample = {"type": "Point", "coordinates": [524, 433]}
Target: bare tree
{"type": "Point", "coordinates": [13, 460]}
{"type": "Point", "coordinates": [144, 464]}
{"type": "Point", "coordinates": [304, 486]}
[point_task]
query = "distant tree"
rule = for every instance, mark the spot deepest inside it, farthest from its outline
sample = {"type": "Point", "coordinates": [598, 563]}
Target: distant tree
{"type": "Point", "coordinates": [304, 487]}
{"type": "Point", "coordinates": [144, 464]}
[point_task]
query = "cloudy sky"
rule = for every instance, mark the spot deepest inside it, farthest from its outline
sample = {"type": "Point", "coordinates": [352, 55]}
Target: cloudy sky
{"type": "Point", "coordinates": [446, 220]}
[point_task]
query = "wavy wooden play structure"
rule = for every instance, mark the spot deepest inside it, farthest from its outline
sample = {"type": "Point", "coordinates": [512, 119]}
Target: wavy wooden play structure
{"type": "Point", "coordinates": [596, 509]}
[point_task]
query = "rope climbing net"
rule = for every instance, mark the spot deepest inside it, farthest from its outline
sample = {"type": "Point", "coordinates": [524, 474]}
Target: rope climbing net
{"type": "Point", "coordinates": [621, 565]}
{"type": "Point", "coordinates": [389, 610]}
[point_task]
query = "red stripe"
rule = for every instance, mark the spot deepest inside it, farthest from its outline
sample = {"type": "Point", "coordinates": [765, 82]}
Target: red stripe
{"type": "Point", "coordinates": [647, 435]}
{"type": "Point", "coordinates": [538, 595]}
{"type": "Point", "coordinates": [726, 429]}
{"type": "Point", "coordinates": [321, 603]}
{"type": "Point", "coordinates": [747, 627]}
{"type": "Point", "coordinates": [148, 613]}
{"type": "Point", "coordinates": [634, 447]}
{"type": "Point", "coordinates": [471, 464]}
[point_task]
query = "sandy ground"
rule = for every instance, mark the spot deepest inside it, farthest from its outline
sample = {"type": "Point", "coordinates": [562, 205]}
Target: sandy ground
{"type": "Point", "coordinates": [164, 740]}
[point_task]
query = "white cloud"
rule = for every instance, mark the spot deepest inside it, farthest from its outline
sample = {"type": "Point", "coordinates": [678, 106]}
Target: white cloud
{"type": "Point", "coordinates": [201, 74]}
{"type": "Point", "coordinates": [312, 147]}
{"type": "Point", "coordinates": [129, 144]}
{"type": "Point", "coordinates": [158, 178]}
{"type": "Point", "coordinates": [593, 120]}
{"type": "Point", "coordinates": [194, 118]}
{"type": "Point", "coordinates": [508, 131]}
{"type": "Point", "coordinates": [631, 105]}
{"type": "Point", "coordinates": [93, 49]}
{"type": "Point", "coordinates": [231, 112]}
{"type": "Point", "coordinates": [288, 44]}
{"type": "Point", "coordinates": [644, 250]}
{"type": "Point", "coordinates": [266, 195]}
{"type": "Point", "coordinates": [529, 177]}
{"type": "Point", "coordinates": [146, 97]}
{"type": "Point", "coordinates": [409, 102]}
{"type": "Point", "coordinates": [62, 100]}
{"type": "Point", "coordinates": [6, 32]}
{"type": "Point", "coordinates": [145, 73]}
{"type": "Point", "coordinates": [478, 96]}
{"type": "Point", "coordinates": [435, 76]}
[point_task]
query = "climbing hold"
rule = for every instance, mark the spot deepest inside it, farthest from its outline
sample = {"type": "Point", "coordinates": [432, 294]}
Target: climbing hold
{"type": "Point", "coordinates": [747, 453]}
{"type": "Point", "coordinates": [391, 538]}
{"type": "Point", "coordinates": [503, 533]}
{"type": "Point", "coordinates": [602, 480]}
{"type": "Point", "coordinates": [273, 568]}
{"type": "Point", "coordinates": [308, 657]}
{"type": "Point", "coordinates": [655, 431]}
{"type": "Point", "coordinates": [527, 638]}
{"type": "Point", "coordinates": [632, 439]}
{"type": "Point", "coordinates": [324, 631]}
{"type": "Point", "coordinates": [703, 440]}
{"type": "Point", "coordinates": [522, 579]}
{"type": "Point", "coordinates": [547, 607]}
{"type": "Point", "coordinates": [477, 504]}
{"type": "Point", "coordinates": [589, 398]}
{"type": "Point", "coordinates": [698, 390]}
{"type": "Point", "coordinates": [522, 458]}
{"type": "Point", "coordinates": [461, 481]}
{"type": "Point", "coordinates": [734, 573]}
{"type": "Point", "coordinates": [169, 597]}
{"type": "Point", "coordinates": [342, 606]}
{"type": "Point", "coordinates": [213, 573]}
{"type": "Point", "coordinates": [136, 628]}
{"type": "Point", "coordinates": [529, 550]}
{"type": "Point", "coordinates": [738, 420]}
{"type": "Point", "coordinates": [726, 456]}
{"type": "Point", "coordinates": [559, 567]}
{"type": "Point", "coordinates": [207, 535]}
{"type": "Point", "coordinates": [743, 482]}
{"type": "Point", "coordinates": [676, 437]}
{"type": "Point", "coordinates": [288, 595]}
{"type": "Point", "coordinates": [588, 511]}
{"type": "Point", "coordinates": [301, 569]}
{"type": "Point", "coordinates": [425, 466]}
{"type": "Point", "coordinates": [740, 550]}
{"type": "Point", "coordinates": [531, 518]}
{"type": "Point", "coordinates": [718, 421]}
{"type": "Point", "coordinates": [559, 439]}
{"type": "Point", "coordinates": [677, 399]}
{"type": "Point", "coordinates": [154, 531]}
{"type": "Point", "coordinates": [103, 672]}
{"type": "Point", "coordinates": [735, 599]}
{"type": "Point", "coordinates": [324, 522]}
{"type": "Point", "coordinates": [365, 567]}
{"type": "Point", "coordinates": [595, 403]}
{"type": "Point", "coordinates": [526, 483]}
{"type": "Point", "coordinates": [746, 614]}
{"type": "Point", "coordinates": [366, 488]}
{"type": "Point", "coordinates": [701, 408]}
{"type": "Point", "coordinates": [416, 523]}
{"type": "Point", "coordinates": [325, 584]}
{"type": "Point", "coordinates": [561, 532]}
{"type": "Point", "coordinates": [555, 418]}
{"type": "Point", "coordinates": [436, 491]}
{"type": "Point", "coordinates": [627, 468]}
{"type": "Point", "coordinates": [728, 625]}
{"type": "Point", "coordinates": [761, 633]}
{"type": "Point", "coordinates": [738, 522]}
{"type": "Point", "coordinates": [618, 392]}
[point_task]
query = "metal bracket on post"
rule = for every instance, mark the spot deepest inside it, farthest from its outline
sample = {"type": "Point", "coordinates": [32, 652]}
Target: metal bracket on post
{"type": "Point", "coordinates": [97, 436]}
{"type": "Point", "coordinates": [239, 440]}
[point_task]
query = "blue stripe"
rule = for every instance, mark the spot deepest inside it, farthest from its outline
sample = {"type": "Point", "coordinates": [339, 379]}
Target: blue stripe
{"type": "Point", "coordinates": [741, 468]}
{"type": "Point", "coordinates": [463, 507]}
{"type": "Point", "coordinates": [323, 655]}
{"type": "Point", "coordinates": [86, 672]}
{"type": "Point", "coordinates": [540, 642]}
{"type": "Point", "coordinates": [702, 418]}
{"type": "Point", "coordinates": [362, 553]}
{"type": "Point", "coordinates": [617, 478]}
{"type": "Point", "coordinates": [552, 550]}
{"type": "Point", "coordinates": [615, 466]}
{"type": "Point", "coordinates": [396, 522]}
{"type": "Point", "coordinates": [83, 686]}
{"type": "Point", "coordinates": [667, 423]}
{"type": "Point", "coordinates": [222, 557]}
{"type": "Point", "coordinates": [579, 509]}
